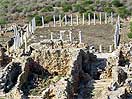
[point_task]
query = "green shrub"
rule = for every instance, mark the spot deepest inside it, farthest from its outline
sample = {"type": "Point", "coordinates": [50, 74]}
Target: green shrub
{"type": "Point", "coordinates": [67, 7]}
{"type": "Point", "coordinates": [129, 35]}
{"type": "Point", "coordinates": [47, 9]}
{"type": "Point", "coordinates": [2, 20]}
{"type": "Point", "coordinates": [38, 20]}
{"type": "Point", "coordinates": [47, 19]}
{"type": "Point", "coordinates": [108, 9]}
{"type": "Point", "coordinates": [19, 9]}
{"type": "Point", "coordinates": [123, 12]}
{"type": "Point", "coordinates": [117, 3]}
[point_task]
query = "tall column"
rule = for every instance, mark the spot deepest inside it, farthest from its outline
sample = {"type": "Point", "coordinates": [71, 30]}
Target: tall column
{"type": "Point", "coordinates": [60, 20]}
{"type": "Point", "coordinates": [89, 19]}
{"type": "Point", "coordinates": [42, 21]}
{"type": "Point", "coordinates": [77, 19]}
{"type": "Point", "coordinates": [25, 43]}
{"type": "Point", "coordinates": [21, 39]}
{"type": "Point", "coordinates": [61, 32]}
{"type": "Point", "coordinates": [100, 17]}
{"type": "Point", "coordinates": [111, 17]}
{"type": "Point", "coordinates": [71, 20]}
{"type": "Point", "coordinates": [65, 19]}
{"type": "Point", "coordinates": [54, 23]}
{"type": "Point", "coordinates": [83, 21]}
{"type": "Point", "coordinates": [94, 18]}
{"type": "Point", "coordinates": [7, 48]}
{"type": "Point", "coordinates": [100, 48]}
{"type": "Point", "coordinates": [110, 48]}
{"type": "Point", "coordinates": [105, 18]}
{"type": "Point", "coordinates": [118, 21]}
{"type": "Point", "coordinates": [27, 31]}
{"type": "Point", "coordinates": [51, 35]}
{"type": "Point", "coordinates": [80, 37]}
{"type": "Point", "coordinates": [70, 37]}
{"type": "Point", "coordinates": [30, 28]}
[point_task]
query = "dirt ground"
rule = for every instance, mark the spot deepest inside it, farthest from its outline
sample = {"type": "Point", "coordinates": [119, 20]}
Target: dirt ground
{"type": "Point", "coordinates": [91, 34]}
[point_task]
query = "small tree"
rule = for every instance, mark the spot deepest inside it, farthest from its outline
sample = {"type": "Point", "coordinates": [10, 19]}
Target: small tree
{"type": "Point", "coordinates": [117, 3]}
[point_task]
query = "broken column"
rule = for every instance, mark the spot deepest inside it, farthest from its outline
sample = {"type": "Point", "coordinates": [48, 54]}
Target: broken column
{"type": "Point", "coordinates": [25, 43]}
{"type": "Point", "coordinates": [94, 18]}
{"type": "Point", "coordinates": [89, 19]}
{"type": "Point", "coordinates": [111, 17]}
{"type": "Point", "coordinates": [60, 20]}
{"type": "Point", "coordinates": [110, 48]}
{"type": "Point", "coordinates": [77, 20]}
{"type": "Point", "coordinates": [100, 17]}
{"type": "Point", "coordinates": [100, 48]}
{"type": "Point", "coordinates": [7, 47]}
{"type": "Point", "coordinates": [54, 21]}
{"type": "Point", "coordinates": [51, 35]}
{"type": "Point", "coordinates": [42, 21]}
{"type": "Point", "coordinates": [65, 19]}
{"type": "Point", "coordinates": [1, 56]}
{"type": "Point", "coordinates": [61, 32]}
{"type": "Point", "coordinates": [80, 37]}
{"type": "Point", "coordinates": [105, 18]}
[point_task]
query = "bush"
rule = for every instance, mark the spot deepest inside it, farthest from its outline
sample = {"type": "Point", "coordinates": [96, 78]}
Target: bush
{"type": "Point", "coordinates": [67, 7]}
{"type": "Point", "coordinates": [123, 12]}
{"type": "Point", "coordinates": [129, 35]}
{"type": "Point", "coordinates": [19, 9]}
{"type": "Point", "coordinates": [108, 9]}
{"type": "Point", "coordinates": [2, 20]}
{"type": "Point", "coordinates": [38, 20]}
{"type": "Point", "coordinates": [47, 9]}
{"type": "Point", "coordinates": [47, 19]}
{"type": "Point", "coordinates": [117, 3]}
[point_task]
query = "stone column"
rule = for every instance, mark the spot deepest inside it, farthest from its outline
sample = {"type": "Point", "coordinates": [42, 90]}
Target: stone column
{"type": "Point", "coordinates": [94, 18]}
{"type": "Point", "coordinates": [30, 28]}
{"type": "Point", "coordinates": [42, 21]}
{"type": "Point", "coordinates": [70, 37]}
{"type": "Point", "coordinates": [105, 18]}
{"type": "Point", "coordinates": [118, 21]}
{"type": "Point", "coordinates": [110, 48]}
{"type": "Point", "coordinates": [71, 20]}
{"type": "Point", "coordinates": [83, 21]}
{"type": "Point", "coordinates": [27, 31]}
{"type": "Point", "coordinates": [80, 37]}
{"type": "Point", "coordinates": [60, 20]}
{"type": "Point", "coordinates": [51, 35]}
{"type": "Point", "coordinates": [100, 17]}
{"type": "Point", "coordinates": [21, 38]}
{"type": "Point", "coordinates": [61, 35]}
{"type": "Point", "coordinates": [7, 48]}
{"type": "Point", "coordinates": [77, 21]}
{"type": "Point", "coordinates": [54, 21]}
{"type": "Point", "coordinates": [65, 20]}
{"type": "Point", "coordinates": [89, 19]}
{"type": "Point", "coordinates": [100, 48]}
{"type": "Point", "coordinates": [111, 17]}
{"type": "Point", "coordinates": [33, 25]}
{"type": "Point", "coordinates": [25, 43]}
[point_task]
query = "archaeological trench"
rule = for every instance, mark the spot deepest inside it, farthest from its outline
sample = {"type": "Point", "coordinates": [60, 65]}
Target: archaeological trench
{"type": "Point", "coordinates": [61, 69]}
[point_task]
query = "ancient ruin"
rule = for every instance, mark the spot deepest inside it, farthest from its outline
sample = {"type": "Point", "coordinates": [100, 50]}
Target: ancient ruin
{"type": "Point", "coordinates": [62, 64]}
